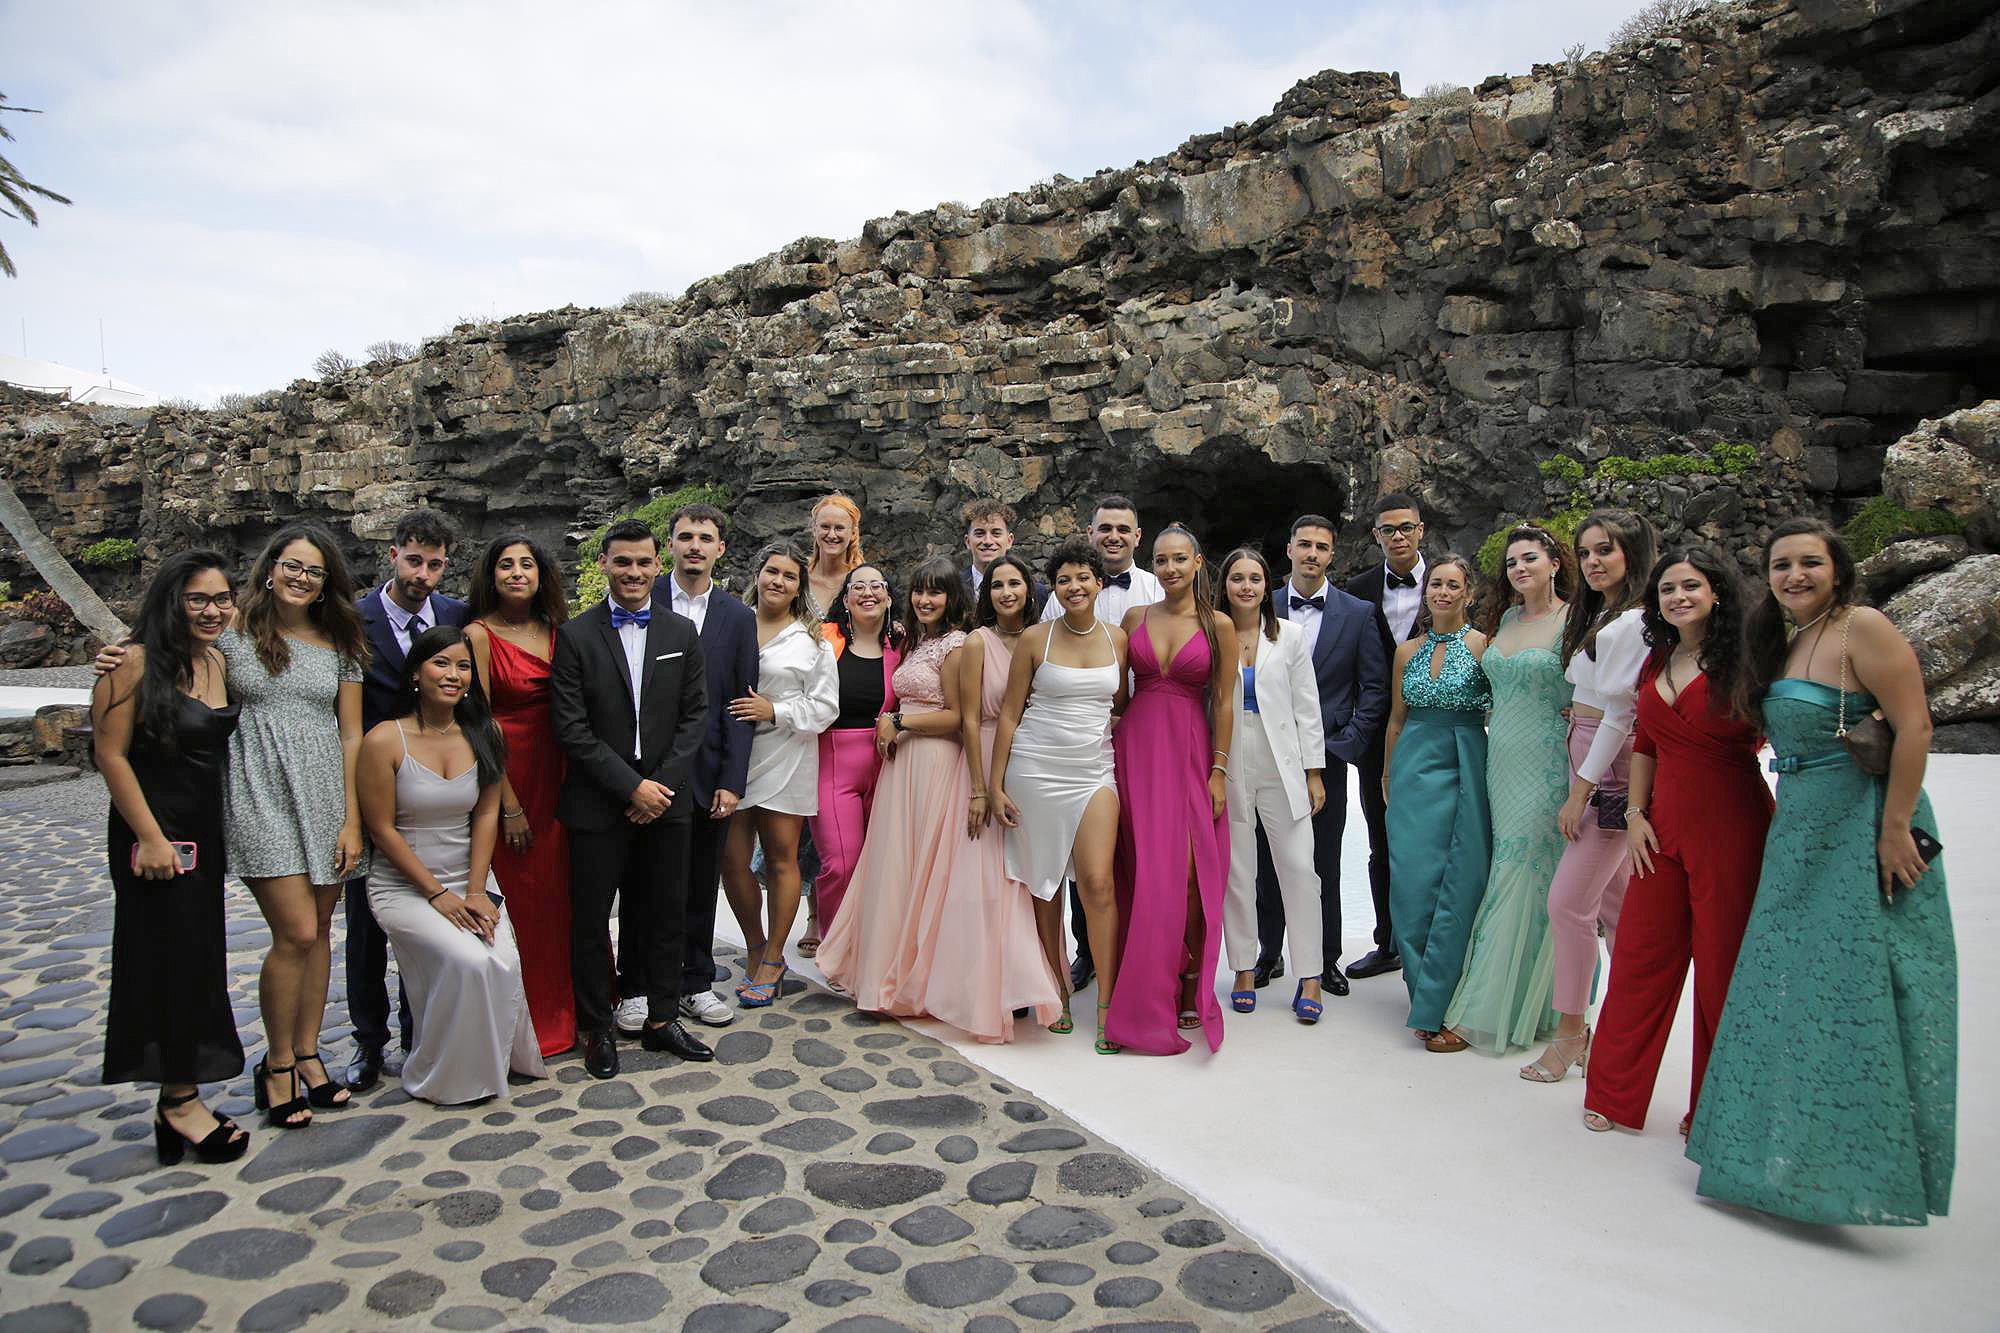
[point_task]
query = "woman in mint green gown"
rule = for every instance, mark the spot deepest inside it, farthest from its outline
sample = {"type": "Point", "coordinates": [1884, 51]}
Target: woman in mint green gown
{"type": "Point", "coordinates": [1440, 835]}
{"type": "Point", "coordinates": [1831, 1096]}
{"type": "Point", "coordinates": [1503, 995]}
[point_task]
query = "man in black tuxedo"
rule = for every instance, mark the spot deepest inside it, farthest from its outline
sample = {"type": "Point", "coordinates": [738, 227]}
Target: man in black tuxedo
{"type": "Point", "coordinates": [630, 701]}
{"type": "Point", "coordinates": [395, 613]}
{"type": "Point", "coordinates": [1352, 673]}
{"type": "Point", "coordinates": [1395, 588]}
{"type": "Point", "coordinates": [989, 534]}
{"type": "Point", "coordinates": [728, 632]}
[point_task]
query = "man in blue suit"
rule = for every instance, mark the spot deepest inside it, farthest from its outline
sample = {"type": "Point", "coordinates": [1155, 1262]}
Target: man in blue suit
{"type": "Point", "coordinates": [395, 613]}
{"type": "Point", "coordinates": [721, 768]}
{"type": "Point", "coordinates": [1352, 672]}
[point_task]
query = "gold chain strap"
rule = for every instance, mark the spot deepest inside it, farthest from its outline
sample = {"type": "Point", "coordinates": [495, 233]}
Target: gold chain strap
{"type": "Point", "coordinates": [1840, 727]}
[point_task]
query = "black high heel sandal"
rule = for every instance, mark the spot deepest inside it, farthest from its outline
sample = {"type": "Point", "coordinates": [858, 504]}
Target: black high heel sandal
{"type": "Point", "coordinates": [225, 1143]}
{"type": "Point", "coordinates": [280, 1115]}
{"type": "Point", "coordinates": [327, 1096]}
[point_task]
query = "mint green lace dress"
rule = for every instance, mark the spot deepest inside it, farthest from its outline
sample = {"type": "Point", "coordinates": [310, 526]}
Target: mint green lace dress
{"type": "Point", "coordinates": [1832, 1093]}
{"type": "Point", "coordinates": [1502, 999]}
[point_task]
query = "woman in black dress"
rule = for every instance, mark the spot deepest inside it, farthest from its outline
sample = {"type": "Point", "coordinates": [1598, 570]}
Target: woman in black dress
{"type": "Point", "coordinates": [161, 723]}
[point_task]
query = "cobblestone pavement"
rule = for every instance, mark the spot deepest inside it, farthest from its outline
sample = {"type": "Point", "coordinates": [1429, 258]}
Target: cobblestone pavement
{"type": "Point", "coordinates": [830, 1170]}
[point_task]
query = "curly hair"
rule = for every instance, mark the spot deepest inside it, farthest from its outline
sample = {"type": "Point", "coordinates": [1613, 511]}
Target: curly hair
{"type": "Point", "coordinates": [1721, 655]}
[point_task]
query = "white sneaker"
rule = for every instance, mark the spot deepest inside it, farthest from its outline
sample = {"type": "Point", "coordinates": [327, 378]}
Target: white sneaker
{"type": "Point", "coordinates": [707, 1007]}
{"type": "Point", "coordinates": [630, 1016]}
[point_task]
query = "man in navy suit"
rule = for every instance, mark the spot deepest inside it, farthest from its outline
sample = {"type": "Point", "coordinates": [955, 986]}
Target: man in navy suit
{"type": "Point", "coordinates": [721, 768]}
{"type": "Point", "coordinates": [1352, 672]}
{"type": "Point", "coordinates": [395, 613]}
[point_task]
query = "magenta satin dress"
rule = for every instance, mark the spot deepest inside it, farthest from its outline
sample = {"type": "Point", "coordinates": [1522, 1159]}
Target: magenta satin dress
{"type": "Point", "coordinates": [1163, 749]}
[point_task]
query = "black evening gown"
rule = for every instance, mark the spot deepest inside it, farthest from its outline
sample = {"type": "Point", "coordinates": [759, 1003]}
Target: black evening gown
{"type": "Point", "coordinates": [170, 1019]}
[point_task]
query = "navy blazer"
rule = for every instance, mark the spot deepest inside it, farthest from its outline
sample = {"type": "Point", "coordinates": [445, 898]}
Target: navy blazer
{"type": "Point", "coordinates": [1351, 666]}
{"type": "Point", "coordinates": [383, 688]}
{"type": "Point", "coordinates": [729, 657]}
{"type": "Point", "coordinates": [591, 701]}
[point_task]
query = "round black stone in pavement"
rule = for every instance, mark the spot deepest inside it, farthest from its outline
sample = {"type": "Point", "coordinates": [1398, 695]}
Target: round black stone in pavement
{"type": "Point", "coordinates": [746, 1177]}
{"type": "Point", "coordinates": [611, 1095]}
{"type": "Point", "coordinates": [849, 1080]}
{"type": "Point", "coordinates": [493, 1147]}
{"type": "Point", "coordinates": [679, 1250]}
{"type": "Point", "coordinates": [292, 1308]}
{"type": "Point", "coordinates": [756, 1263]}
{"type": "Point", "coordinates": [814, 1134]}
{"type": "Point", "coordinates": [890, 1142]}
{"type": "Point", "coordinates": [776, 1215]}
{"type": "Point", "coordinates": [517, 1279]}
{"type": "Point", "coordinates": [957, 1148]}
{"type": "Point", "coordinates": [540, 1200]}
{"type": "Point", "coordinates": [571, 1227]}
{"type": "Point", "coordinates": [375, 1228]}
{"type": "Point", "coordinates": [16, 1197]}
{"type": "Point", "coordinates": [871, 1185]}
{"type": "Point", "coordinates": [615, 1298]}
{"type": "Point", "coordinates": [742, 1048]}
{"type": "Point", "coordinates": [169, 1312]}
{"type": "Point", "coordinates": [868, 1323]}
{"type": "Point", "coordinates": [459, 1251]}
{"type": "Point", "coordinates": [446, 1180]}
{"type": "Point", "coordinates": [1047, 1306]}
{"type": "Point", "coordinates": [738, 1110]}
{"type": "Point", "coordinates": [833, 1292]}
{"type": "Point", "coordinates": [84, 1203]}
{"type": "Point", "coordinates": [772, 1080]}
{"type": "Point", "coordinates": [1127, 1293]}
{"type": "Point", "coordinates": [734, 1318]}
{"type": "Point", "coordinates": [1131, 1252]}
{"type": "Point", "coordinates": [632, 1147]}
{"type": "Point", "coordinates": [405, 1293]}
{"type": "Point", "coordinates": [874, 1259]}
{"type": "Point", "coordinates": [951, 1073]}
{"type": "Point", "coordinates": [467, 1319]}
{"type": "Point", "coordinates": [102, 1271]}
{"type": "Point", "coordinates": [1235, 1282]}
{"type": "Point", "coordinates": [1049, 1138]}
{"type": "Point", "coordinates": [952, 1283]}
{"type": "Point", "coordinates": [592, 1177]}
{"type": "Point", "coordinates": [335, 1141]}
{"type": "Point", "coordinates": [1193, 1233]}
{"type": "Point", "coordinates": [366, 1258]}
{"type": "Point", "coordinates": [678, 1167]}
{"type": "Point", "coordinates": [1161, 1207]}
{"type": "Point", "coordinates": [41, 1255]}
{"type": "Point", "coordinates": [1061, 1272]}
{"type": "Point", "coordinates": [1004, 1182]}
{"type": "Point", "coordinates": [1102, 1174]}
{"type": "Point", "coordinates": [44, 1141]}
{"type": "Point", "coordinates": [816, 1054]}
{"type": "Point", "coordinates": [467, 1208]}
{"type": "Point", "coordinates": [657, 1116]}
{"type": "Point", "coordinates": [931, 1225]}
{"type": "Point", "coordinates": [902, 1078]}
{"type": "Point", "coordinates": [1055, 1226]}
{"type": "Point", "coordinates": [849, 1231]}
{"type": "Point", "coordinates": [1025, 1113]}
{"type": "Point", "coordinates": [812, 1101]}
{"type": "Point", "coordinates": [881, 1040]}
{"type": "Point", "coordinates": [55, 1317]}
{"type": "Point", "coordinates": [299, 1196]}
{"type": "Point", "coordinates": [244, 1254]}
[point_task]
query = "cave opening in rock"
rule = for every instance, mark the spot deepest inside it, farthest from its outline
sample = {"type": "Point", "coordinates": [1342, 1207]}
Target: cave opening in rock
{"type": "Point", "coordinates": [1230, 493]}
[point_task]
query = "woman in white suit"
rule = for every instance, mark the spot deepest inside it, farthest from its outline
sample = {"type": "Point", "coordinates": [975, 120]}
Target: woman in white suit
{"type": "Point", "coordinates": [1278, 734]}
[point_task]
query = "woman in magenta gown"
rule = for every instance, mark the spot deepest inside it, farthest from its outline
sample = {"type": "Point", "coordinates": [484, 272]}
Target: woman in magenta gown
{"type": "Point", "coordinates": [517, 602]}
{"type": "Point", "coordinates": [1172, 868]}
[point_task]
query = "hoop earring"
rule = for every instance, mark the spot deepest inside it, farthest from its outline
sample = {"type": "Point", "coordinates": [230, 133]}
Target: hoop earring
{"type": "Point", "coordinates": [268, 585]}
{"type": "Point", "coordinates": [317, 600]}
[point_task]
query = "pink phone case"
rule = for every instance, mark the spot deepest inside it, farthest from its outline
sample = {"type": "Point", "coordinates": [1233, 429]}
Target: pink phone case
{"type": "Point", "coordinates": [184, 852]}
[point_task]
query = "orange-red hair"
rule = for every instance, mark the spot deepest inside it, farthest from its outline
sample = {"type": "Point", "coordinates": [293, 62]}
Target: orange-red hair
{"type": "Point", "coordinates": [853, 511]}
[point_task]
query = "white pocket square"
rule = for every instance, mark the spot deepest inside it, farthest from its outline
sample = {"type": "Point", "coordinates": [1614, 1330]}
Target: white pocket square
{"type": "Point", "coordinates": [664, 656]}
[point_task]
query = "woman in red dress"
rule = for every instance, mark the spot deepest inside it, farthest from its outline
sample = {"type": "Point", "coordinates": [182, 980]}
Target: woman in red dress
{"type": "Point", "coordinates": [1696, 823]}
{"type": "Point", "coordinates": [517, 602]}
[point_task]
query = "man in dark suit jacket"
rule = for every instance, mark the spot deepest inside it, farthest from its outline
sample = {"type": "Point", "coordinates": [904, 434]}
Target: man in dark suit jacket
{"type": "Point", "coordinates": [721, 769]}
{"type": "Point", "coordinates": [1352, 673]}
{"type": "Point", "coordinates": [395, 613]}
{"type": "Point", "coordinates": [1394, 587]}
{"type": "Point", "coordinates": [630, 701]}
{"type": "Point", "coordinates": [989, 534]}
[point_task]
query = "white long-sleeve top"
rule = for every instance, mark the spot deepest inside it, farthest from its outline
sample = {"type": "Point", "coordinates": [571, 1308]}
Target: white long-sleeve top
{"type": "Point", "coordinates": [796, 672]}
{"type": "Point", "coordinates": [1609, 682]}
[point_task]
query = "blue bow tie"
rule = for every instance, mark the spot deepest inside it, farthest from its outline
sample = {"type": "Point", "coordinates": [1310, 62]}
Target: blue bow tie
{"type": "Point", "coordinates": [620, 617]}
{"type": "Point", "coordinates": [1316, 603]}
{"type": "Point", "coordinates": [1119, 580]}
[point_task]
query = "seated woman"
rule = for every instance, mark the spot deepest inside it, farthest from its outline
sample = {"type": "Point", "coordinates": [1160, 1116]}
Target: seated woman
{"type": "Point", "coordinates": [430, 795]}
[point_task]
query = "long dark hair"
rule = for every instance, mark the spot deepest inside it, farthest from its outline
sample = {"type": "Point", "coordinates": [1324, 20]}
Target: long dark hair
{"type": "Point", "coordinates": [551, 601]}
{"type": "Point", "coordinates": [1563, 585]}
{"type": "Point", "coordinates": [333, 613]}
{"type": "Point", "coordinates": [1204, 603]}
{"type": "Point", "coordinates": [843, 620]}
{"type": "Point", "coordinates": [472, 713]}
{"type": "Point", "coordinates": [1473, 590]}
{"type": "Point", "coordinates": [1592, 611]}
{"type": "Point", "coordinates": [1268, 615]}
{"type": "Point", "coordinates": [802, 607]}
{"type": "Point", "coordinates": [983, 613]}
{"type": "Point", "coordinates": [1765, 640]}
{"type": "Point", "coordinates": [161, 629]}
{"type": "Point", "coordinates": [936, 574]}
{"type": "Point", "coordinates": [1721, 656]}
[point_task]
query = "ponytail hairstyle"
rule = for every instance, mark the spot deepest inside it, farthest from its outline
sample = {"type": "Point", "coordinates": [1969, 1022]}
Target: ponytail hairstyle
{"type": "Point", "coordinates": [1204, 602]}
{"type": "Point", "coordinates": [1267, 615]}
{"type": "Point", "coordinates": [161, 629]}
{"type": "Point", "coordinates": [333, 612]}
{"type": "Point", "coordinates": [472, 712]}
{"type": "Point", "coordinates": [801, 609]}
{"type": "Point", "coordinates": [1472, 587]}
{"type": "Point", "coordinates": [1721, 656]}
{"type": "Point", "coordinates": [1765, 637]}
{"type": "Point", "coordinates": [1592, 611]}
{"type": "Point", "coordinates": [1563, 585]}
{"type": "Point", "coordinates": [936, 574]}
{"type": "Point", "coordinates": [983, 613]}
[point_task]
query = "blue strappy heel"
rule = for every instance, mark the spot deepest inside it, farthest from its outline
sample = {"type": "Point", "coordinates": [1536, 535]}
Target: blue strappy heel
{"type": "Point", "coordinates": [1308, 1011]}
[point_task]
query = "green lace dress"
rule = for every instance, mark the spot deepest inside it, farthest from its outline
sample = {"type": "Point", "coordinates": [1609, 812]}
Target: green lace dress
{"type": "Point", "coordinates": [1502, 999]}
{"type": "Point", "coordinates": [1832, 1093]}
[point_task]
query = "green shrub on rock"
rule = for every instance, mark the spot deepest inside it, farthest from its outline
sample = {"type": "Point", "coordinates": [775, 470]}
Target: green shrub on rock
{"type": "Point", "coordinates": [110, 551]}
{"type": "Point", "coordinates": [657, 514]}
{"type": "Point", "coordinates": [1882, 521]}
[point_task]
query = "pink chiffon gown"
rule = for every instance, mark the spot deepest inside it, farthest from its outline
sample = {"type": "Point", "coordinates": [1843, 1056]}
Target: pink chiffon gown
{"type": "Point", "coordinates": [1166, 821]}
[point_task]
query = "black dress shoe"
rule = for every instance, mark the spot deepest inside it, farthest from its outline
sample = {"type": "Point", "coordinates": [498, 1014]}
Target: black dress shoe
{"type": "Point", "coordinates": [1374, 963]}
{"type": "Point", "coordinates": [1081, 973]}
{"type": "Point", "coordinates": [1267, 970]}
{"type": "Point", "coordinates": [675, 1040]}
{"type": "Point", "coordinates": [364, 1071]}
{"type": "Point", "coordinates": [1332, 982]}
{"type": "Point", "coordinates": [600, 1055]}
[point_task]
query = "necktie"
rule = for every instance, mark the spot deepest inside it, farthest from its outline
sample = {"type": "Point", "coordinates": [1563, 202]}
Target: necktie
{"type": "Point", "coordinates": [1401, 580]}
{"type": "Point", "coordinates": [1119, 580]}
{"type": "Point", "coordinates": [417, 626]}
{"type": "Point", "coordinates": [620, 617]}
{"type": "Point", "coordinates": [1316, 603]}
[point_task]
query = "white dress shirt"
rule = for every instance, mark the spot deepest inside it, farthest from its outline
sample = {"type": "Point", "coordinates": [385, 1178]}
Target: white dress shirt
{"type": "Point", "coordinates": [399, 619]}
{"type": "Point", "coordinates": [632, 638]}
{"type": "Point", "coordinates": [1400, 605]}
{"type": "Point", "coordinates": [694, 608]}
{"type": "Point", "coordinates": [1113, 601]}
{"type": "Point", "coordinates": [1307, 618]}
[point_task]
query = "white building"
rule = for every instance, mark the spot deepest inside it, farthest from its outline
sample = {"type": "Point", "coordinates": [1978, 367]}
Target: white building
{"type": "Point", "coordinates": [81, 386]}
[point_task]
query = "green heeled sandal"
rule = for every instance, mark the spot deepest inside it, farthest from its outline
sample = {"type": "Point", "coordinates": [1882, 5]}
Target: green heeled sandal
{"type": "Point", "coordinates": [1104, 1046]}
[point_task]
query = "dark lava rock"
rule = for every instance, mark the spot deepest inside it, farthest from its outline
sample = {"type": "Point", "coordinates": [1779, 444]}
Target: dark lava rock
{"type": "Point", "coordinates": [334, 1141]}
{"type": "Point", "coordinates": [375, 1228]}
{"type": "Point", "coordinates": [243, 1254]}
{"type": "Point", "coordinates": [734, 1318]}
{"type": "Point", "coordinates": [849, 1231]}
{"type": "Point", "coordinates": [467, 1208]}
{"type": "Point", "coordinates": [890, 1142]}
{"type": "Point", "coordinates": [1061, 1272]}
{"type": "Point", "coordinates": [1126, 1293]}
{"type": "Point", "coordinates": [611, 1095]}
{"type": "Point", "coordinates": [459, 1251]}
{"type": "Point", "coordinates": [776, 1215]}
{"type": "Point", "coordinates": [1193, 1233]}
{"type": "Point", "coordinates": [120, 1163]}
{"type": "Point", "coordinates": [615, 1298]}
{"type": "Point", "coordinates": [16, 1197]}
{"type": "Point", "coordinates": [755, 1263]}
{"type": "Point", "coordinates": [738, 1110]}
{"type": "Point", "coordinates": [632, 1147]}
{"type": "Point", "coordinates": [405, 1293]}
{"type": "Point", "coordinates": [931, 1225]}
{"type": "Point", "coordinates": [102, 1271]}
{"type": "Point", "coordinates": [943, 1110]}
{"type": "Point", "coordinates": [571, 1227]}
{"type": "Point", "coordinates": [951, 1073]}
{"type": "Point", "coordinates": [467, 1319]}
{"type": "Point", "coordinates": [1236, 1282]}
{"type": "Point", "coordinates": [160, 1217]}
{"type": "Point", "coordinates": [701, 1216]}
{"type": "Point", "coordinates": [742, 1048]}
{"type": "Point", "coordinates": [957, 1148]}
{"type": "Point", "coordinates": [55, 1317]}
{"type": "Point", "coordinates": [871, 1185]}
{"type": "Point", "coordinates": [899, 1077]}
{"type": "Point", "coordinates": [1101, 1174]}
{"type": "Point", "coordinates": [1131, 1252]}
{"type": "Point", "coordinates": [1006, 1182]}
{"type": "Point", "coordinates": [816, 1054]}
{"type": "Point", "coordinates": [299, 1196]}
{"type": "Point", "coordinates": [849, 1080]}
{"type": "Point", "coordinates": [84, 1203]}
{"type": "Point", "coordinates": [40, 1255]}
{"type": "Point", "coordinates": [517, 1279]}
{"type": "Point", "coordinates": [592, 1177]}
{"type": "Point", "coordinates": [815, 1134]}
{"type": "Point", "coordinates": [446, 1180]}
{"type": "Point", "coordinates": [493, 1147]}
{"type": "Point", "coordinates": [1024, 1113]}
{"type": "Point", "coordinates": [1056, 1227]}
{"type": "Point", "coordinates": [874, 1259]}
{"type": "Point", "coordinates": [292, 1308]}
{"type": "Point", "coordinates": [27, 1145]}
{"type": "Point", "coordinates": [833, 1292]}
{"type": "Point", "coordinates": [746, 1177]}
{"type": "Point", "coordinates": [169, 1312]}
{"type": "Point", "coordinates": [1047, 1306]}
{"type": "Point", "coordinates": [955, 1282]}
{"type": "Point", "coordinates": [1161, 1207]}
{"type": "Point", "coordinates": [1049, 1138]}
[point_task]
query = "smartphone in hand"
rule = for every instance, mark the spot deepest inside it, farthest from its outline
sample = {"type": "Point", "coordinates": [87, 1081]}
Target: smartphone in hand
{"type": "Point", "coordinates": [184, 855]}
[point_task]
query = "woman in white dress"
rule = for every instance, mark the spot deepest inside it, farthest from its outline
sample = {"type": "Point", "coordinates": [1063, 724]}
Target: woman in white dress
{"type": "Point", "coordinates": [429, 788]}
{"type": "Point", "coordinates": [797, 697]}
{"type": "Point", "coordinates": [1276, 779]}
{"type": "Point", "coordinates": [1052, 783]}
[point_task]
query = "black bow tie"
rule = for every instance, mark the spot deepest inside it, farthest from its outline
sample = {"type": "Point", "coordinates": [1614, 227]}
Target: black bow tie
{"type": "Point", "coordinates": [1316, 603]}
{"type": "Point", "coordinates": [1119, 580]}
{"type": "Point", "coordinates": [1401, 580]}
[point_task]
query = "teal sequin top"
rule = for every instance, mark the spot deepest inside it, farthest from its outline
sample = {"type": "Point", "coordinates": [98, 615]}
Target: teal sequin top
{"type": "Point", "coordinates": [1461, 685]}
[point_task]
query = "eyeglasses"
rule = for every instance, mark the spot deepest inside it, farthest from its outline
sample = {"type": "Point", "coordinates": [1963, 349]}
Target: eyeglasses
{"type": "Point", "coordinates": [1396, 529]}
{"type": "Point", "coordinates": [201, 601]}
{"type": "Point", "coordinates": [298, 571]}
{"type": "Point", "coordinates": [868, 585]}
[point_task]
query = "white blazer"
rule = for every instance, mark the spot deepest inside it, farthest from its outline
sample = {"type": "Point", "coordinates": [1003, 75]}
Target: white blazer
{"type": "Point", "coordinates": [1288, 704]}
{"type": "Point", "coordinates": [795, 671]}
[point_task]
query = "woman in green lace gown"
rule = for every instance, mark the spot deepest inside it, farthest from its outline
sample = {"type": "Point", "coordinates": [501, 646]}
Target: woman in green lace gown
{"type": "Point", "coordinates": [1831, 1096]}
{"type": "Point", "coordinates": [1503, 995]}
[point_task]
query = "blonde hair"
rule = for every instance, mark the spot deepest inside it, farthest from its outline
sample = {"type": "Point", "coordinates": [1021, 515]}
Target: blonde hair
{"type": "Point", "coordinates": [852, 556]}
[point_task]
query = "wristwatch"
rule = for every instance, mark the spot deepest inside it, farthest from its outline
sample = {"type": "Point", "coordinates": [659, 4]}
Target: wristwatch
{"type": "Point", "coordinates": [896, 719]}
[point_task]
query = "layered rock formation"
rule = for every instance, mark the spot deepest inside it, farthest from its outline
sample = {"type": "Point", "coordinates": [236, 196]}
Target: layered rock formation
{"type": "Point", "coordinates": [1780, 228]}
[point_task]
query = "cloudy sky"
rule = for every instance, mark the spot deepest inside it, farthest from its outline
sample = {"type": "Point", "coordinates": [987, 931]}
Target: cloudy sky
{"type": "Point", "coordinates": [254, 183]}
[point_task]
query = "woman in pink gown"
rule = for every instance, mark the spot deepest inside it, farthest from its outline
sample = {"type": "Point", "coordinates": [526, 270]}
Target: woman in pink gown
{"type": "Point", "coordinates": [1173, 835]}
